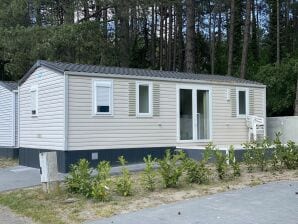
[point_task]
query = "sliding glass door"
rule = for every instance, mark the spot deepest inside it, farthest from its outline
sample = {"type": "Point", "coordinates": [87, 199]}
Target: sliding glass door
{"type": "Point", "coordinates": [194, 114]}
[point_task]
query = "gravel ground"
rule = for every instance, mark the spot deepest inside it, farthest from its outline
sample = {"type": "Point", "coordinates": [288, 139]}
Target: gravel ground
{"type": "Point", "coordinates": [8, 217]}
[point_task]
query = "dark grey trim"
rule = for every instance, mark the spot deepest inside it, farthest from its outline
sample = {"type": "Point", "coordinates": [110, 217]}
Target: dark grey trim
{"type": "Point", "coordinates": [30, 157]}
{"type": "Point", "coordinates": [9, 85]}
{"type": "Point", "coordinates": [91, 69]}
{"type": "Point", "coordinates": [8, 152]}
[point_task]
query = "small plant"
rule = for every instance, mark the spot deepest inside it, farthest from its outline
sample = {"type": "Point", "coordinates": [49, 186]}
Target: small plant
{"type": "Point", "coordinates": [257, 155]}
{"type": "Point", "coordinates": [290, 156]}
{"type": "Point", "coordinates": [221, 164]}
{"type": "Point", "coordinates": [197, 172]}
{"type": "Point", "coordinates": [233, 162]}
{"type": "Point", "coordinates": [101, 189]}
{"type": "Point", "coordinates": [79, 179]}
{"type": "Point", "coordinates": [171, 168]}
{"type": "Point", "coordinates": [103, 171]}
{"type": "Point", "coordinates": [149, 174]}
{"type": "Point", "coordinates": [277, 152]}
{"type": "Point", "coordinates": [124, 182]}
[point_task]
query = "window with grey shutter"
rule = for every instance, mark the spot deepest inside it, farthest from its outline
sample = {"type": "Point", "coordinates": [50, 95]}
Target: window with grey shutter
{"type": "Point", "coordinates": [156, 99]}
{"type": "Point", "coordinates": [251, 101]}
{"type": "Point", "coordinates": [132, 98]}
{"type": "Point", "coordinates": [233, 102]}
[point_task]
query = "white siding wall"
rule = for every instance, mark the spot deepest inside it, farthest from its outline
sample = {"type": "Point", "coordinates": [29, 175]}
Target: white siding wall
{"type": "Point", "coordinates": [6, 117]}
{"type": "Point", "coordinates": [46, 131]}
{"type": "Point", "coordinates": [86, 131]}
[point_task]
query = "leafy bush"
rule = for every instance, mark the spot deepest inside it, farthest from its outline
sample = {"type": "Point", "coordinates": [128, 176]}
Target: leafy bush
{"type": "Point", "coordinates": [124, 182]}
{"type": "Point", "coordinates": [233, 162]}
{"type": "Point", "coordinates": [290, 156]}
{"type": "Point", "coordinates": [171, 168]}
{"type": "Point", "coordinates": [257, 155]}
{"type": "Point", "coordinates": [149, 174]}
{"type": "Point", "coordinates": [101, 188]}
{"type": "Point", "coordinates": [79, 179]}
{"type": "Point", "coordinates": [197, 171]}
{"type": "Point", "coordinates": [103, 171]}
{"type": "Point", "coordinates": [221, 164]}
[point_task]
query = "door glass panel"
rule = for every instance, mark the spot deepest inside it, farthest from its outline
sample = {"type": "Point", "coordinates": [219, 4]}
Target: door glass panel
{"type": "Point", "coordinates": [203, 114]}
{"type": "Point", "coordinates": [186, 123]}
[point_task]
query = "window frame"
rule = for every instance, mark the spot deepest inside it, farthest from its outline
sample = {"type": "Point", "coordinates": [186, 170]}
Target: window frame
{"type": "Point", "coordinates": [102, 83]}
{"type": "Point", "coordinates": [34, 88]}
{"type": "Point", "coordinates": [246, 90]}
{"type": "Point", "coordinates": [150, 95]}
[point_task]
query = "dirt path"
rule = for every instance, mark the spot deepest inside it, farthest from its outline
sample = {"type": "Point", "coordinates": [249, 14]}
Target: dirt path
{"type": "Point", "coordinates": [8, 217]}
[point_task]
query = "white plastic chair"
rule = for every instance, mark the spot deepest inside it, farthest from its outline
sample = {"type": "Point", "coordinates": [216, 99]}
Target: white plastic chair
{"type": "Point", "coordinates": [255, 126]}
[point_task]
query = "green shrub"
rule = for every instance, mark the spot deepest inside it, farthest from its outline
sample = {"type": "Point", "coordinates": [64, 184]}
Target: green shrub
{"type": "Point", "coordinates": [221, 164]}
{"type": "Point", "coordinates": [103, 171]}
{"type": "Point", "coordinates": [171, 168]}
{"type": "Point", "coordinates": [101, 188]}
{"type": "Point", "coordinates": [290, 156]}
{"type": "Point", "coordinates": [257, 155]}
{"type": "Point", "coordinates": [124, 182]}
{"type": "Point", "coordinates": [149, 174]}
{"type": "Point", "coordinates": [197, 171]}
{"type": "Point", "coordinates": [233, 162]}
{"type": "Point", "coordinates": [79, 179]}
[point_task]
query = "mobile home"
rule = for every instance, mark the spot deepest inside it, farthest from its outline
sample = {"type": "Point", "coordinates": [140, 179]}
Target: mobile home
{"type": "Point", "coordinates": [8, 119]}
{"type": "Point", "coordinates": [100, 113]}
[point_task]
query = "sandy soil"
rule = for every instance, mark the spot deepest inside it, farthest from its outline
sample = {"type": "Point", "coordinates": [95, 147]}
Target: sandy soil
{"type": "Point", "coordinates": [7, 216]}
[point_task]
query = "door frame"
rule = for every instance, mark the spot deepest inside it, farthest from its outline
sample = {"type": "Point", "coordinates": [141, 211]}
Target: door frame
{"type": "Point", "coordinates": [194, 89]}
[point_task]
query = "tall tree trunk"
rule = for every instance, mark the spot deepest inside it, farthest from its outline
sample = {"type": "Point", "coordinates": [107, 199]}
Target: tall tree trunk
{"type": "Point", "coordinates": [190, 36]}
{"type": "Point", "coordinates": [153, 35]}
{"type": "Point", "coordinates": [245, 41]}
{"type": "Point", "coordinates": [170, 40]}
{"type": "Point", "coordinates": [231, 38]}
{"type": "Point", "coordinates": [165, 61]}
{"type": "Point", "coordinates": [277, 33]}
{"type": "Point", "coordinates": [124, 48]}
{"type": "Point", "coordinates": [254, 38]}
{"type": "Point", "coordinates": [161, 38]}
{"type": "Point", "coordinates": [69, 11]}
{"type": "Point", "coordinates": [180, 42]}
{"type": "Point", "coordinates": [296, 101]}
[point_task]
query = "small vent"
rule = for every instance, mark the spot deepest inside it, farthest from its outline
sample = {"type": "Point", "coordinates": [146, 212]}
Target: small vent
{"type": "Point", "coordinates": [233, 102]}
{"type": "Point", "coordinates": [132, 99]}
{"type": "Point", "coordinates": [251, 101]}
{"type": "Point", "coordinates": [156, 100]}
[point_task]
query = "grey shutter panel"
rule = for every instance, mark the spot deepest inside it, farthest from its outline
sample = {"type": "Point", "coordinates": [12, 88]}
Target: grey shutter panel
{"type": "Point", "coordinates": [233, 102]}
{"type": "Point", "coordinates": [132, 99]}
{"type": "Point", "coordinates": [156, 100]}
{"type": "Point", "coordinates": [251, 101]}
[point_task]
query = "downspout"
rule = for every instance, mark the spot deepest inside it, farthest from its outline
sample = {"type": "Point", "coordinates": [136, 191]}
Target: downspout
{"type": "Point", "coordinates": [65, 111]}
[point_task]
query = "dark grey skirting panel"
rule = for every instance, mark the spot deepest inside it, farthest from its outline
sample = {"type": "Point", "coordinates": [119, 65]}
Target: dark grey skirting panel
{"type": "Point", "coordinates": [8, 152]}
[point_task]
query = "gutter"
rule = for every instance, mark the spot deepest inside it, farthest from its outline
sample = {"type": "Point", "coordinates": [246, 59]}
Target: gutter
{"type": "Point", "coordinates": [104, 75]}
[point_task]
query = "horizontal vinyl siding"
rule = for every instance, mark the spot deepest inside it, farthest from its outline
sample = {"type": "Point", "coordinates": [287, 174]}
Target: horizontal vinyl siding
{"type": "Point", "coordinates": [6, 117]}
{"type": "Point", "coordinates": [120, 130]}
{"type": "Point", "coordinates": [86, 131]}
{"type": "Point", "coordinates": [47, 130]}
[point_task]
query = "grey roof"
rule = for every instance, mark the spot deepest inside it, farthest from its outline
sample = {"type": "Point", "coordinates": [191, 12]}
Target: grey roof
{"type": "Point", "coordinates": [63, 67]}
{"type": "Point", "coordinates": [10, 85]}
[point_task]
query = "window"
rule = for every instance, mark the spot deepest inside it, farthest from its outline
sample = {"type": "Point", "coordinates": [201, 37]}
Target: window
{"type": "Point", "coordinates": [103, 97]}
{"type": "Point", "coordinates": [242, 102]}
{"type": "Point", "coordinates": [34, 100]}
{"type": "Point", "coordinates": [144, 99]}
